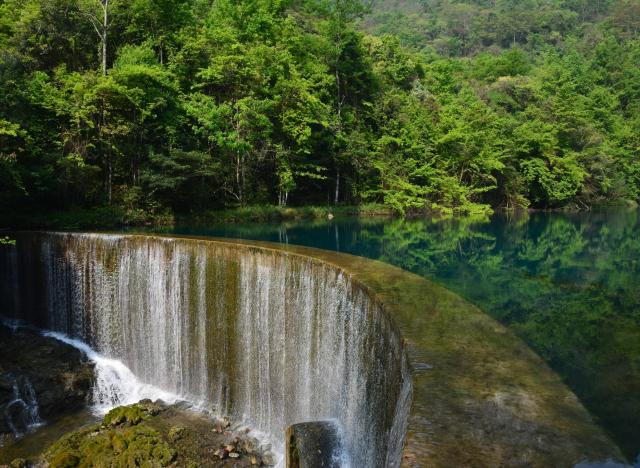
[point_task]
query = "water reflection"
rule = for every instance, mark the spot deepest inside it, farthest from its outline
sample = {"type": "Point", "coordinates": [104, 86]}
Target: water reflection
{"type": "Point", "coordinates": [569, 284]}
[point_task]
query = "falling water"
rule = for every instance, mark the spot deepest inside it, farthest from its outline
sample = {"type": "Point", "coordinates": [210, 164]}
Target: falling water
{"type": "Point", "coordinates": [22, 413]}
{"type": "Point", "coordinates": [263, 336]}
{"type": "Point", "coordinates": [115, 384]}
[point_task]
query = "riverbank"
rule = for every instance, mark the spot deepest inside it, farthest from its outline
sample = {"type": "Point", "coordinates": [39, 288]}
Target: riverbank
{"type": "Point", "coordinates": [115, 217]}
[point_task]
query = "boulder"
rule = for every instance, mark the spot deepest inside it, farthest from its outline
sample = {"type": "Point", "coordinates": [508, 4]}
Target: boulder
{"type": "Point", "coordinates": [314, 444]}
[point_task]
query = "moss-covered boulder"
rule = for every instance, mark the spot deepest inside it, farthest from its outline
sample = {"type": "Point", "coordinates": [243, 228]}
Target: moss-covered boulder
{"type": "Point", "coordinates": [153, 435]}
{"type": "Point", "coordinates": [121, 440]}
{"type": "Point", "coordinates": [131, 415]}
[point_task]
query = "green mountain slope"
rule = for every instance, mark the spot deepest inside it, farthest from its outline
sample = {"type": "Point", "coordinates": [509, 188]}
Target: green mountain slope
{"type": "Point", "coordinates": [459, 28]}
{"type": "Point", "coordinates": [164, 106]}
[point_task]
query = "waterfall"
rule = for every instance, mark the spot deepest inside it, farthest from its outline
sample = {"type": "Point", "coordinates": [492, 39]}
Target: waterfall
{"type": "Point", "coordinates": [263, 336]}
{"type": "Point", "coordinates": [22, 413]}
{"type": "Point", "coordinates": [115, 384]}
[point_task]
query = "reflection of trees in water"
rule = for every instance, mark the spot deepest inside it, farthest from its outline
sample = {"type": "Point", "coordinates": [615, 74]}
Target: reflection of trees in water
{"type": "Point", "coordinates": [568, 284]}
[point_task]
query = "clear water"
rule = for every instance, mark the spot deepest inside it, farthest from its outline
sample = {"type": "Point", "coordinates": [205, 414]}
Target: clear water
{"type": "Point", "coordinates": [569, 284]}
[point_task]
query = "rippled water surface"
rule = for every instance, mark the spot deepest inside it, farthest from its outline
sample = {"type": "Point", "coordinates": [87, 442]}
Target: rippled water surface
{"type": "Point", "coordinates": [569, 284]}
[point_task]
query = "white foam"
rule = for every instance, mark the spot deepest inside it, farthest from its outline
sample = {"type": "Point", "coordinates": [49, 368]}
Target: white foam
{"type": "Point", "coordinates": [115, 384]}
{"type": "Point", "coordinates": [29, 416]}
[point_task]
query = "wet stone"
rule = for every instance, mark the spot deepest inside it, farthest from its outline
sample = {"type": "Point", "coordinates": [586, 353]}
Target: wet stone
{"type": "Point", "coordinates": [313, 444]}
{"type": "Point", "coordinates": [40, 378]}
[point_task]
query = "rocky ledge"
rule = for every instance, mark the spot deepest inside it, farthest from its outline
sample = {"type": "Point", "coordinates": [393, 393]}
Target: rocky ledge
{"type": "Point", "coordinates": [152, 434]}
{"type": "Point", "coordinates": [40, 378]}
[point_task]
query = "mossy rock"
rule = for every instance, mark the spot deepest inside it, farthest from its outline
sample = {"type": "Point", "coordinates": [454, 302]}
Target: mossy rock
{"type": "Point", "coordinates": [133, 446]}
{"type": "Point", "coordinates": [121, 440]}
{"type": "Point", "coordinates": [176, 433]}
{"type": "Point", "coordinates": [151, 435]}
{"type": "Point", "coordinates": [124, 416]}
{"type": "Point", "coordinates": [19, 463]}
{"type": "Point", "coordinates": [64, 460]}
{"type": "Point", "coordinates": [131, 415]}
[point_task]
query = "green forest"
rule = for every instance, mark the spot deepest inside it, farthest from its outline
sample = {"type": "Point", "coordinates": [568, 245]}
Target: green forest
{"type": "Point", "coordinates": [451, 106]}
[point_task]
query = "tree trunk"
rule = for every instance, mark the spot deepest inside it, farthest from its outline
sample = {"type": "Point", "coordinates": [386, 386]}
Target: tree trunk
{"type": "Point", "coordinates": [110, 179]}
{"type": "Point", "coordinates": [339, 113]}
{"type": "Point", "coordinates": [105, 25]}
{"type": "Point", "coordinates": [100, 23]}
{"type": "Point", "coordinates": [242, 179]}
{"type": "Point", "coordinates": [238, 179]}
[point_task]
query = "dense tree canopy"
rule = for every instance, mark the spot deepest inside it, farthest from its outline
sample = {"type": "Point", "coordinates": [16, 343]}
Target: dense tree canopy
{"type": "Point", "coordinates": [187, 105]}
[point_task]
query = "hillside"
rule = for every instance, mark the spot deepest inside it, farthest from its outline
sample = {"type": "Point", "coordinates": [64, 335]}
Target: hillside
{"type": "Point", "coordinates": [462, 28]}
{"type": "Point", "coordinates": [161, 106]}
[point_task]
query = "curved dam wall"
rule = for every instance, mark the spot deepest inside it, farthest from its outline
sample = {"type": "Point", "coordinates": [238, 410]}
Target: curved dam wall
{"type": "Point", "coordinates": [282, 334]}
{"type": "Point", "coordinates": [254, 334]}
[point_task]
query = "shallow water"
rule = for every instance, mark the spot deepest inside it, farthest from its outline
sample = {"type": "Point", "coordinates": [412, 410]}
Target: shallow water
{"type": "Point", "coordinates": [569, 284]}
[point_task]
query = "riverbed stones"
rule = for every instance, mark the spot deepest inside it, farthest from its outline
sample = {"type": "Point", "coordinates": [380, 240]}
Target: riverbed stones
{"type": "Point", "coordinates": [268, 459]}
{"type": "Point", "coordinates": [250, 445]}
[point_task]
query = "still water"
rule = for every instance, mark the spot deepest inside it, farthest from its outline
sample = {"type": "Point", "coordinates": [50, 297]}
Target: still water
{"type": "Point", "coordinates": [568, 284]}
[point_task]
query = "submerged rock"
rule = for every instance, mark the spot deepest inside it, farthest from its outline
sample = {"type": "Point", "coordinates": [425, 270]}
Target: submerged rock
{"type": "Point", "coordinates": [40, 377]}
